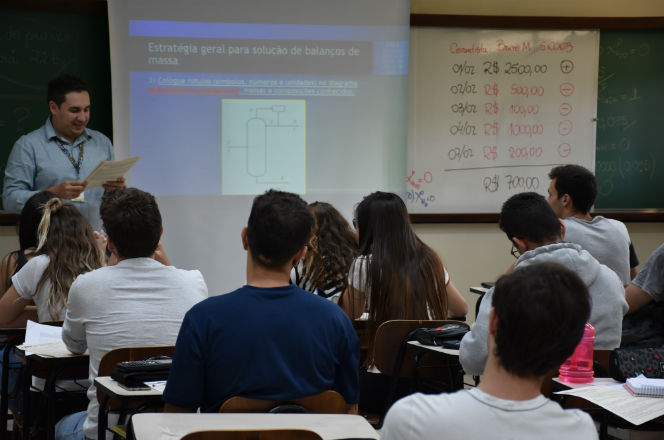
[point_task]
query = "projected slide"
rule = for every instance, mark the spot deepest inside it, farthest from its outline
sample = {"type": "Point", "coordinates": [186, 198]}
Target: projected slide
{"type": "Point", "coordinates": [263, 145]}
{"type": "Point", "coordinates": [232, 98]}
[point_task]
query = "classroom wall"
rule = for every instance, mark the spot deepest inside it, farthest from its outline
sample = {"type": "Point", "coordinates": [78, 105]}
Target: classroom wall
{"type": "Point", "coordinates": [480, 252]}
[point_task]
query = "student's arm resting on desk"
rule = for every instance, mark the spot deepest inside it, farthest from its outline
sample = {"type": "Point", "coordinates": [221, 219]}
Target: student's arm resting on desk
{"type": "Point", "coordinates": [473, 351]}
{"type": "Point", "coordinates": [636, 298]}
{"type": "Point", "coordinates": [457, 306]}
{"type": "Point", "coordinates": [73, 327]}
{"type": "Point", "coordinates": [186, 380]}
{"type": "Point", "coordinates": [648, 285]}
{"type": "Point", "coordinates": [14, 310]}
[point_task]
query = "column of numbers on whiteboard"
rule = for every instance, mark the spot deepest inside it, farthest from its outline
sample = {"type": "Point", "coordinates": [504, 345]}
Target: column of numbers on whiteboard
{"type": "Point", "coordinates": [515, 104]}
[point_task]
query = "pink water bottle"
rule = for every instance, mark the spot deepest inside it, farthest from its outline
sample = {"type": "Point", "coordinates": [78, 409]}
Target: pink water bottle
{"type": "Point", "coordinates": [578, 368]}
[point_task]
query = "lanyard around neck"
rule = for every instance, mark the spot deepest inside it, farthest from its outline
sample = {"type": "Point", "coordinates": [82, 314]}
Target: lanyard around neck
{"type": "Point", "coordinates": [75, 163]}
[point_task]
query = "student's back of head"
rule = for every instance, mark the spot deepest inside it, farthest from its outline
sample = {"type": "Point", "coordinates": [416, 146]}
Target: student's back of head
{"type": "Point", "coordinates": [529, 216]}
{"type": "Point", "coordinates": [578, 183]}
{"type": "Point", "coordinates": [31, 215]}
{"type": "Point", "coordinates": [132, 220]}
{"type": "Point", "coordinates": [332, 248]}
{"type": "Point", "coordinates": [541, 311]}
{"type": "Point", "coordinates": [401, 277]}
{"type": "Point", "coordinates": [67, 238]}
{"type": "Point", "coordinates": [279, 226]}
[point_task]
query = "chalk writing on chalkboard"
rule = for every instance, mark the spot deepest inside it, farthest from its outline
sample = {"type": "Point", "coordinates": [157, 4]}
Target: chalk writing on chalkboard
{"type": "Point", "coordinates": [505, 109]}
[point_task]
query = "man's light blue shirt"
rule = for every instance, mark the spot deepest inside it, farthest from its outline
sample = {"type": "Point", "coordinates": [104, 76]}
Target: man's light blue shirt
{"type": "Point", "coordinates": [37, 162]}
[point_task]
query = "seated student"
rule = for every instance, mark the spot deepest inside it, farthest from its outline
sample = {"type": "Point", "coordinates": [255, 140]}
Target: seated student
{"type": "Point", "coordinates": [643, 326]}
{"type": "Point", "coordinates": [67, 248]}
{"type": "Point", "coordinates": [536, 233]}
{"type": "Point", "coordinates": [572, 192]}
{"type": "Point", "coordinates": [269, 339]}
{"type": "Point", "coordinates": [331, 250]}
{"type": "Point", "coordinates": [28, 223]}
{"type": "Point", "coordinates": [396, 276]}
{"type": "Point", "coordinates": [139, 301]}
{"type": "Point", "coordinates": [648, 285]}
{"type": "Point", "coordinates": [536, 320]}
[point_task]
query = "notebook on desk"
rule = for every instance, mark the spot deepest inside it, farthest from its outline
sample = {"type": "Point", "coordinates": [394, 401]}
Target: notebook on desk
{"type": "Point", "coordinates": [642, 386]}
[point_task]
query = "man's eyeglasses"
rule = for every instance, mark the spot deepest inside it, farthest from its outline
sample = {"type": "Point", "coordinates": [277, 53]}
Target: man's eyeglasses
{"type": "Point", "coordinates": [515, 252]}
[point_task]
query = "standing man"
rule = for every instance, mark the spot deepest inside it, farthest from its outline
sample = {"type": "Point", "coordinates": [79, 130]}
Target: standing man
{"type": "Point", "coordinates": [58, 156]}
{"type": "Point", "coordinates": [572, 193]}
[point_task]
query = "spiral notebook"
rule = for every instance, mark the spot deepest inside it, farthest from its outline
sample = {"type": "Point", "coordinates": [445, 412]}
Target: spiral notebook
{"type": "Point", "coordinates": [642, 386]}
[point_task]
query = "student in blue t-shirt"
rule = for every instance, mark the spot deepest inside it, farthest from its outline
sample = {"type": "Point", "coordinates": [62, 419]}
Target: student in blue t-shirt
{"type": "Point", "coordinates": [268, 339]}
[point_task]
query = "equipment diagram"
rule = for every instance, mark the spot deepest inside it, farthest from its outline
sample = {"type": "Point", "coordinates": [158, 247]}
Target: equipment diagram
{"type": "Point", "coordinates": [263, 145]}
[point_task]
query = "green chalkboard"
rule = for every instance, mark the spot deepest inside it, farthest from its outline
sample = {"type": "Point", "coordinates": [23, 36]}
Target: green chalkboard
{"type": "Point", "coordinates": [630, 120]}
{"type": "Point", "coordinates": [37, 45]}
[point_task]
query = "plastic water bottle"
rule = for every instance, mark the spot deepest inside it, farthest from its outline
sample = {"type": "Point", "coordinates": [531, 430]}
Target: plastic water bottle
{"type": "Point", "coordinates": [578, 368]}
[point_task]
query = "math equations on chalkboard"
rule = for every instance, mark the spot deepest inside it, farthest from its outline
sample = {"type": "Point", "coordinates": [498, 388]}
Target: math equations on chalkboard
{"type": "Point", "coordinates": [492, 111]}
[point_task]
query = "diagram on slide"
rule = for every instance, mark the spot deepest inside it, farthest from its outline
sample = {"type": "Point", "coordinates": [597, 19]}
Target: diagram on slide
{"type": "Point", "coordinates": [263, 145]}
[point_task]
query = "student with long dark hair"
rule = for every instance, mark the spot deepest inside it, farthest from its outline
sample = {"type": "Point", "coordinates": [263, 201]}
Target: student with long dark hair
{"type": "Point", "coordinates": [331, 250]}
{"type": "Point", "coordinates": [396, 275]}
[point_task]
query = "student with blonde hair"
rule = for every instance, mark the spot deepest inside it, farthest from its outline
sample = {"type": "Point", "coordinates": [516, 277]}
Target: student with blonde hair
{"type": "Point", "coordinates": [66, 248]}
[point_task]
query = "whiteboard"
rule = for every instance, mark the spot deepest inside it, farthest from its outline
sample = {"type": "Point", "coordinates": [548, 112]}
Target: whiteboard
{"type": "Point", "coordinates": [492, 111]}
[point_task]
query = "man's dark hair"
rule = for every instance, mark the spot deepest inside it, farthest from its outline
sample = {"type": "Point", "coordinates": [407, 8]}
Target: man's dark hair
{"type": "Point", "coordinates": [577, 182]}
{"type": "Point", "coordinates": [132, 220]}
{"type": "Point", "coordinates": [63, 84]}
{"type": "Point", "coordinates": [542, 310]}
{"type": "Point", "coordinates": [528, 215]}
{"type": "Point", "coordinates": [279, 225]}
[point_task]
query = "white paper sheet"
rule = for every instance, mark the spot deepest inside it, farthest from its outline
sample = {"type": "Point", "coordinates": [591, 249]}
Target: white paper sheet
{"type": "Point", "coordinates": [618, 400]}
{"type": "Point", "coordinates": [109, 170]}
{"type": "Point", "coordinates": [44, 340]}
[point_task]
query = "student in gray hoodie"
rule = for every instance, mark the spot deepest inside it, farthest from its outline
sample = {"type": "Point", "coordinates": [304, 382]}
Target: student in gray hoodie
{"type": "Point", "coordinates": [536, 234]}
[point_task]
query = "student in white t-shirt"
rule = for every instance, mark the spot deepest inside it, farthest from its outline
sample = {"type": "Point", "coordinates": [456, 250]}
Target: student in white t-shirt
{"type": "Point", "coordinates": [66, 249]}
{"type": "Point", "coordinates": [537, 318]}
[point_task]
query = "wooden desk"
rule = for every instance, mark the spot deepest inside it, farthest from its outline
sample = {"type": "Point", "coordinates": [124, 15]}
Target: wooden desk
{"type": "Point", "coordinates": [150, 426]}
{"type": "Point", "coordinates": [113, 390]}
{"type": "Point", "coordinates": [55, 368]}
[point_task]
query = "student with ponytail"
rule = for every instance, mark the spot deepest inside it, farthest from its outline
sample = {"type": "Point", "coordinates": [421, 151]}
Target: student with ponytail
{"type": "Point", "coordinates": [66, 248]}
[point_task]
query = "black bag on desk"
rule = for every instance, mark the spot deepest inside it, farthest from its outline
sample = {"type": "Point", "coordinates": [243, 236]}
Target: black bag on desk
{"type": "Point", "coordinates": [447, 335]}
{"type": "Point", "coordinates": [135, 373]}
{"type": "Point", "coordinates": [630, 362]}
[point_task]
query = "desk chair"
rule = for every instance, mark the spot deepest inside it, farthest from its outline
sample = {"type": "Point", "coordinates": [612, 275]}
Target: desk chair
{"type": "Point", "coordinates": [394, 358]}
{"type": "Point", "coordinates": [327, 402]}
{"type": "Point", "coordinates": [267, 434]}
{"type": "Point", "coordinates": [107, 365]}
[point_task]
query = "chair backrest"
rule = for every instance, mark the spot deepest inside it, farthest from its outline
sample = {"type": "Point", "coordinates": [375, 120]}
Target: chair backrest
{"type": "Point", "coordinates": [327, 402]}
{"type": "Point", "coordinates": [112, 357]}
{"type": "Point", "coordinates": [390, 335]}
{"type": "Point", "coordinates": [263, 434]}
